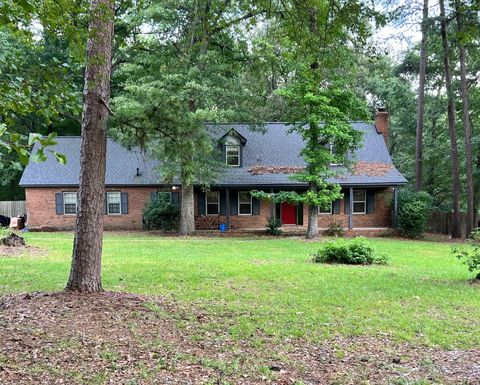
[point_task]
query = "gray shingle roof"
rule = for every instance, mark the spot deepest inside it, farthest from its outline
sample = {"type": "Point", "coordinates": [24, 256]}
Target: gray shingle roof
{"type": "Point", "coordinates": [274, 147]}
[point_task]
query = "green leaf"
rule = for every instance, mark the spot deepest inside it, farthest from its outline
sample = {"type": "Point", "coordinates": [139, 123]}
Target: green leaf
{"type": "Point", "coordinates": [62, 159]}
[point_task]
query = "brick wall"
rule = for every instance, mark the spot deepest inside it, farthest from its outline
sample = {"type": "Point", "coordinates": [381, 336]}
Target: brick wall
{"type": "Point", "coordinates": [381, 217]}
{"type": "Point", "coordinates": [41, 212]}
{"type": "Point", "coordinates": [41, 209]}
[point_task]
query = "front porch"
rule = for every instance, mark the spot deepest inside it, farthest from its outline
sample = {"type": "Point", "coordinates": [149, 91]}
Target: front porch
{"type": "Point", "coordinates": [363, 209]}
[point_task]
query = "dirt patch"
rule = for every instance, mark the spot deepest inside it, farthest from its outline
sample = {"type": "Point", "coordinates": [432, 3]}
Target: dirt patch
{"type": "Point", "coordinates": [380, 360]}
{"type": "Point", "coordinates": [114, 338]}
{"type": "Point", "coordinates": [17, 251]}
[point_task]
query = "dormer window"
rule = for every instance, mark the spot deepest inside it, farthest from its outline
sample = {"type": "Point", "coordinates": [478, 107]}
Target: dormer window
{"type": "Point", "coordinates": [232, 145]}
{"type": "Point", "coordinates": [232, 154]}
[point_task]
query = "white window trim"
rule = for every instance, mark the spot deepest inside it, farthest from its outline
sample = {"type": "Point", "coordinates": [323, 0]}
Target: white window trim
{"type": "Point", "coordinates": [238, 203]}
{"type": "Point", "coordinates": [238, 156]}
{"type": "Point", "coordinates": [76, 202]}
{"type": "Point", "coordinates": [364, 202]}
{"type": "Point", "coordinates": [108, 207]}
{"type": "Point", "coordinates": [325, 213]}
{"type": "Point", "coordinates": [218, 203]}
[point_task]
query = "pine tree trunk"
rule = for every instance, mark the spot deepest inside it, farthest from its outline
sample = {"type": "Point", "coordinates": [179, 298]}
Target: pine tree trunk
{"type": "Point", "coordinates": [312, 230]}
{"type": "Point", "coordinates": [85, 273]}
{"type": "Point", "coordinates": [187, 220]}
{"type": "Point", "coordinates": [456, 231]}
{"type": "Point", "coordinates": [421, 100]}
{"type": "Point", "coordinates": [466, 122]}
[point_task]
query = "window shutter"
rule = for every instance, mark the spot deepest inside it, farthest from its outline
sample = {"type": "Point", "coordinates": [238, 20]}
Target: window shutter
{"type": "Point", "coordinates": [223, 202]}
{"type": "Point", "coordinates": [255, 206]}
{"type": "Point", "coordinates": [106, 203]}
{"type": "Point", "coordinates": [370, 201]}
{"type": "Point", "coordinates": [153, 196]}
{"type": "Point", "coordinates": [59, 203]}
{"type": "Point", "coordinates": [240, 154]}
{"type": "Point", "coordinates": [175, 198]}
{"type": "Point", "coordinates": [201, 203]}
{"type": "Point", "coordinates": [346, 200]}
{"type": "Point", "coordinates": [278, 212]}
{"type": "Point", "coordinates": [233, 202]}
{"type": "Point", "coordinates": [300, 214]}
{"type": "Point", "coordinates": [224, 153]}
{"type": "Point", "coordinates": [124, 200]}
{"type": "Point", "coordinates": [336, 206]}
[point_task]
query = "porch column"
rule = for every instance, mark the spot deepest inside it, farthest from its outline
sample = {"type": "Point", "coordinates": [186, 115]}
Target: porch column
{"type": "Point", "coordinates": [395, 206]}
{"type": "Point", "coordinates": [272, 206]}
{"type": "Point", "coordinates": [227, 195]}
{"type": "Point", "coordinates": [350, 216]}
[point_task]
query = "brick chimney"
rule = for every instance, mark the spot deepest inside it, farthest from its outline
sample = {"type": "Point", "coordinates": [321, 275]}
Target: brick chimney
{"type": "Point", "coordinates": [381, 123]}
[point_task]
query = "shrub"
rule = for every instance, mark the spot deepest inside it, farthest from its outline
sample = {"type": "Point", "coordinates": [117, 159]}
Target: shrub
{"type": "Point", "coordinates": [160, 215]}
{"type": "Point", "coordinates": [356, 252]}
{"type": "Point", "coordinates": [413, 210]}
{"type": "Point", "coordinates": [469, 253]}
{"type": "Point", "coordinates": [335, 229]}
{"type": "Point", "coordinates": [273, 226]}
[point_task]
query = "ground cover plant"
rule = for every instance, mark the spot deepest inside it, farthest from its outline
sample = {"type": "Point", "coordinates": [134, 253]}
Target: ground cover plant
{"type": "Point", "coordinates": [239, 311]}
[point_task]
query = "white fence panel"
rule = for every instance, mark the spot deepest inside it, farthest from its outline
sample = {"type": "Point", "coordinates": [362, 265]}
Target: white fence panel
{"type": "Point", "coordinates": [12, 208]}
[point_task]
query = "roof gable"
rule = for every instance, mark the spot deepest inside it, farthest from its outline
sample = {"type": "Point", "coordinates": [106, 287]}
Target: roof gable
{"type": "Point", "coordinates": [233, 132]}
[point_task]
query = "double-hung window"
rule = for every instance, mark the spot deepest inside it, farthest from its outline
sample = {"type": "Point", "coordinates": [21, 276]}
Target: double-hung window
{"type": "Point", "coordinates": [359, 201]}
{"type": "Point", "coordinates": [327, 211]}
{"type": "Point", "coordinates": [70, 203]}
{"type": "Point", "coordinates": [114, 203]}
{"type": "Point", "coordinates": [213, 202]}
{"type": "Point", "coordinates": [232, 154]}
{"type": "Point", "coordinates": [244, 203]}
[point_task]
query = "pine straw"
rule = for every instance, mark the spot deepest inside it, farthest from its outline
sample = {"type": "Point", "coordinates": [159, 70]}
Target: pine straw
{"type": "Point", "coordinates": [116, 338]}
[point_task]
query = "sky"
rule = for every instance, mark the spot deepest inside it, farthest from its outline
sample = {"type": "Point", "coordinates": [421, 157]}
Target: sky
{"type": "Point", "coordinates": [404, 31]}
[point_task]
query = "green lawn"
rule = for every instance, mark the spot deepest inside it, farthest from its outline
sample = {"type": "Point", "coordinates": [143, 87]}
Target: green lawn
{"type": "Point", "coordinates": [269, 287]}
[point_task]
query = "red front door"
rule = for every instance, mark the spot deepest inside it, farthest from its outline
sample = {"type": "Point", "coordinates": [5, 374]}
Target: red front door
{"type": "Point", "coordinates": [289, 214]}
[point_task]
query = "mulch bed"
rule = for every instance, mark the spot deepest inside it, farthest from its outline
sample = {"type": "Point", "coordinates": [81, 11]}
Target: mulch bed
{"type": "Point", "coordinates": [117, 338]}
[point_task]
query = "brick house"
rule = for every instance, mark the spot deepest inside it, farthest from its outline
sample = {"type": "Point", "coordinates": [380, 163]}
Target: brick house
{"type": "Point", "coordinates": [254, 160]}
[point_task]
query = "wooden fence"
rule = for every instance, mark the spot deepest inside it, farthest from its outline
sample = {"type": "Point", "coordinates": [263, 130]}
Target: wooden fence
{"type": "Point", "coordinates": [12, 208]}
{"type": "Point", "coordinates": [441, 223]}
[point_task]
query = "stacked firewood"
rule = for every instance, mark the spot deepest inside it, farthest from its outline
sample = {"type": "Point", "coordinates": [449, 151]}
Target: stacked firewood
{"type": "Point", "coordinates": [203, 222]}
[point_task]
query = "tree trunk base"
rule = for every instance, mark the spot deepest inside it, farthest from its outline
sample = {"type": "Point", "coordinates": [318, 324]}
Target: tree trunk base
{"type": "Point", "coordinates": [84, 288]}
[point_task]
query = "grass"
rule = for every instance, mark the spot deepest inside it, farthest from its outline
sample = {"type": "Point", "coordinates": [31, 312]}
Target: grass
{"type": "Point", "coordinates": [269, 287]}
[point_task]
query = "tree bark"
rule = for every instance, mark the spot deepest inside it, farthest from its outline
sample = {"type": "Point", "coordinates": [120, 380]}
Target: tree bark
{"type": "Point", "coordinates": [466, 122]}
{"type": "Point", "coordinates": [312, 229]}
{"type": "Point", "coordinates": [85, 273]}
{"type": "Point", "coordinates": [421, 101]}
{"type": "Point", "coordinates": [187, 220]}
{"type": "Point", "coordinates": [456, 231]}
